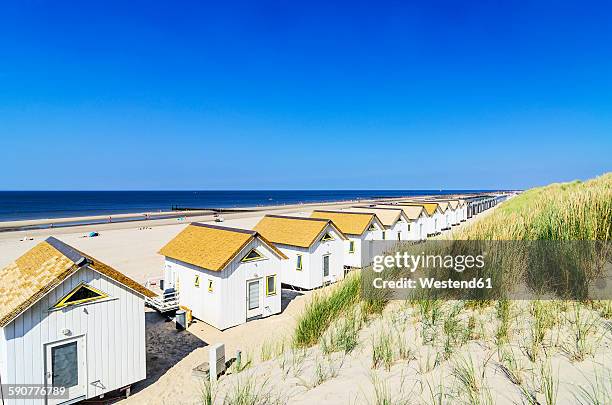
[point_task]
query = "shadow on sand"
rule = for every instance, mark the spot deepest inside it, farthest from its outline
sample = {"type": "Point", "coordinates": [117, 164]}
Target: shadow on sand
{"type": "Point", "coordinates": [166, 346]}
{"type": "Point", "coordinates": [288, 295]}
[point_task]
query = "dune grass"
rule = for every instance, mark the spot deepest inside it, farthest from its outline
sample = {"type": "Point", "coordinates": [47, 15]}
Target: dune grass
{"type": "Point", "coordinates": [562, 211]}
{"type": "Point", "coordinates": [324, 308]}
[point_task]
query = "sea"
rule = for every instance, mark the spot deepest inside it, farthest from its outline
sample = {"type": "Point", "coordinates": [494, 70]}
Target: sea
{"type": "Point", "coordinates": [23, 205]}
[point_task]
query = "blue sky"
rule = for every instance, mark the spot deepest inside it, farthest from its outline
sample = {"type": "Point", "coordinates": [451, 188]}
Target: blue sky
{"type": "Point", "coordinates": [280, 95]}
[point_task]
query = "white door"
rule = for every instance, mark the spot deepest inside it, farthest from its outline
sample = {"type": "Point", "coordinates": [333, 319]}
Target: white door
{"type": "Point", "coordinates": [254, 298]}
{"type": "Point", "coordinates": [325, 267]}
{"type": "Point", "coordinates": [66, 366]}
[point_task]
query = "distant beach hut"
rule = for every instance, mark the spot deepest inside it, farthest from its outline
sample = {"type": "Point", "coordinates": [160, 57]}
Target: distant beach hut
{"type": "Point", "coordinates": [67, 319]}
{"type": "Point", "coordinates": [361, 229]}
{"type": "Point", "coordinates": [314, 246]}
{"type": "Point", "coordinates": [434, 213]}
{"type": "Point", "coordinates": [397, 224]}
{"type": "Point", "coordinates": [418, 225]}
{"type": "Point", "coordinates": [457, 210]}
{"type": "Point", "coordinates": [452, 208]}
{"type": "Point", "coordinates": [446, 214]}
{"type": "Point", "coordinates": [225, 276]}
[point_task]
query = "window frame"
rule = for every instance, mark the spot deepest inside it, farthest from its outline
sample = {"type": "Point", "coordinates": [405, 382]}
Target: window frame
{"type": "Point", "coordinates": [327, 237]}
{"type": "Point", "coordinates": [63, 304]}
{"type": "Point", "coordinates": [268, 292]}
{"type": "Point", "coordinates": [246, 259]}
{"type": "Point", "coordinates": [299, 262]}
{"type": "Point", "coordinates": [196, 282]}
{"type": "Point", "coordinates": [351, 246]}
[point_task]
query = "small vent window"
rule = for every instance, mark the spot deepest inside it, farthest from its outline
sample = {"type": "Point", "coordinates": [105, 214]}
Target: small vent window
{"type": "Point", "coordinates": [372, 228]}
{"type": "Point", "coordinates": [252, 255]}
{"type": "Point", "coordinates": [327, 237]}
{"type": "Point", "coordinates": [81, 294]}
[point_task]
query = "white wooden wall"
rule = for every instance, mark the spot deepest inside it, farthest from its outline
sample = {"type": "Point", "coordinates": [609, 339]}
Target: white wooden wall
{"type": "Point", "coordinates": [311, 275]}
{"type": "Point", "coordinates": [114, 331]}
{"type": "Point", "coordinates": [226, 306]}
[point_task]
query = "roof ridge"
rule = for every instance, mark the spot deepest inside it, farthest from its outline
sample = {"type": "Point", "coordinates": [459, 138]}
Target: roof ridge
{"type": "Point", "coordinates": [295, 217]}
{"type": "Point", "coordinates": [224, 228]}
{"type": "Point", "coordinates": [344, 212]}
{"type": "Point", "coordinates": [65, 249]}
{"type": "Point", "coordinates": [379, 208]}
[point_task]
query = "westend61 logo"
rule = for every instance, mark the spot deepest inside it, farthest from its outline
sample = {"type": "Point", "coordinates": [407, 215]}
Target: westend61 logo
{"type": "Point", "coordinates": [403, 262]}
{"type": "Point", "coordinates": [413, 262]}
{"type": "Point", "coordinates": [483, 270]}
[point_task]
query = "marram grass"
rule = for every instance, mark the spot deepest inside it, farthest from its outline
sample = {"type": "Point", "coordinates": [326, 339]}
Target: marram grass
{"type": "Point", "coordinates": [561, 211]}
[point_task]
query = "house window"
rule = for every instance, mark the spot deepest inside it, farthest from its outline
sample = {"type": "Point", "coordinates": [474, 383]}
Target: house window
{"type": "Point", "coordinates": [210, 286]}
{"type": "Point", "coordinates": [298, 264]}
{"type": "Point", "coordinates": [326, 266]}
{"type": "Point", "coordinates": [372, 228]}
{"type": "Point", "coordinates": [252, 256]}
{"type": "Point", "coordinates": [408, 227]}
{"type": "Point", "coordinates": [399, 236]}
{"type": "Point", "coordinates": [327, 237]}
{"type": "Point", "coordinates": [271, 285]}
{"type": "Point", "coordinates": [384, 235]}
{"type": "Point", "coordinates": [197, 281]}
{"type": "Point", "coordinates": [81, 294]}
{"type": "Point", "coordinates": [352, 246]}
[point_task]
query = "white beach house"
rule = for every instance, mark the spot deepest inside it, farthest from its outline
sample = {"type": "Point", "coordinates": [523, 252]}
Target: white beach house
{"type": "Point", "coordinates": [361, 229]}
{"type": "Point", "coordinates": [68, 320]}
{"type": "Point", "coordinates": [462, 210]}
{"type": "Point", "coordinates": [434, 214]}
{"type": "Point", "coordinates": [314, 247]}
{"type": "Point", "coordinates": [397, 224]}
{"type": "Point", "coordinates": [225, 276]}
{"type": "Point", "coordinates": [447, 214]}
{"type": "Point", "coordinates": [418, 224]}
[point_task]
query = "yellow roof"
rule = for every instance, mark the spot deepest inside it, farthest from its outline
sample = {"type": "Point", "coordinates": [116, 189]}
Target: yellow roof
{"type": "Point", "coordinates": [413, 212]}
{"type": "Point", "coordinates": [454, 204]}
{"type": "Point", "coordinates": [388, 216]}
{"type": "Point", "coordinates": [430, 207]}
{"type": "Point", "coordinates": [350, 223]}
{"type": "Point", "coordinates": [41, 269]}
{"type": "Point", "coordinates": [209, 246]}
{"type": "Point", "coordinates": [443, 205]}
{"type": "Point", "coordinates": [294, 231]}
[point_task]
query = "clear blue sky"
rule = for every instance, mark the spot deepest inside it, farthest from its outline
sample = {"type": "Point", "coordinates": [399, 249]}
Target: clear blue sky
{"type": "Point", "coordinates": [276, 95]}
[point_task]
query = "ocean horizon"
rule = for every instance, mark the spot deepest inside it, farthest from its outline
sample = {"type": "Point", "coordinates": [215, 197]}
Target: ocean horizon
{"type": "Point", "coordinates": [30, 205]}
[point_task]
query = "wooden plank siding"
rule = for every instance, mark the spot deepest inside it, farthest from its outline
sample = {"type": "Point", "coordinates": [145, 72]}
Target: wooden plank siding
{"type": "Point", "coordinates": [114, 331]}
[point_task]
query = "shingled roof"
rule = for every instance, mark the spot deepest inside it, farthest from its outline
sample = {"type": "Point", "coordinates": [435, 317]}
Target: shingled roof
{"type": "Point", "coordinates": [430, 207]}
{"type": "Point", "coordinates": [44, 267]}
{"type": "Point", "coordinates": [388, 216]}
{"type": "Point", "coordinates": [211, 247]}
{"type": "Point", "coordinates": [350, 223]}
{"type": "Point", "coordinates": [294, 231]}
{"type": "Point", "coordinates": [413, 212]}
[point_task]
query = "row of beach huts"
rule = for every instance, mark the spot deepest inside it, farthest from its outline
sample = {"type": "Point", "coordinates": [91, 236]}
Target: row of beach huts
{"type": "Point", "coordinates": [68, 320]}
